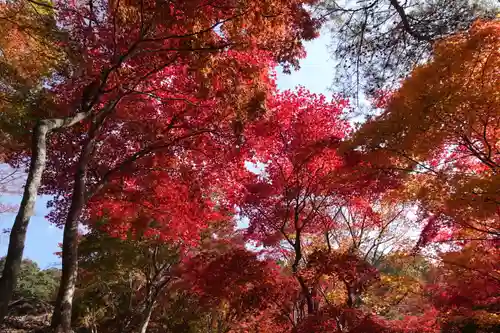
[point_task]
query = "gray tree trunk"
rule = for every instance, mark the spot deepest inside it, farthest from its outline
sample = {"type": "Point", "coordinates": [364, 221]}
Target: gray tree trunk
{"type": "Point", "coordinates": [18, 233]}
{"type": "Point", "coordinates": [61, 319]}
{"type": "Point", "coordinates": [20, 227]}
{"type": "Point", "coordinates": [147, 316]}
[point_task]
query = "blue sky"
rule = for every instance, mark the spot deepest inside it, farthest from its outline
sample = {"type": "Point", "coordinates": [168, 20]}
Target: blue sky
{"type": "Point", "coordinates": [316, 74]}
{"type": "Point", "coordinates": [42, 239]}
{"type": "Point", "coordinates": [317, 69]}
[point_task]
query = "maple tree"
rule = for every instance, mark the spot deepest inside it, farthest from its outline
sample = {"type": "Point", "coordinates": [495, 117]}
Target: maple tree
{"type": "Point", "coordinates": [442, 126]}
{"type": "Point", "coordinates": [159, 127]}
{"type": "Point", "coordinates": [134, 274]}
{"type": "Point", "coordinates": [302, 195]}
{"type": "Point", "coordinates": [290, 200]}
{"type": "Point", "coordinates": [204, 291]}
{"type": "Point", "coordinates": [124, 60]}
{"type": "Point", "coordinates": [30, 54]}
{"type": "Point", "coordinates": [238, 288]}
{"type": "Point", "coordinates": [125, 55]}
{"type": "Point", "coordinates": [465, 287]}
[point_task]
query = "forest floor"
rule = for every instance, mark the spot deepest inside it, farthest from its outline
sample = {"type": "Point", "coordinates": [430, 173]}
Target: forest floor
{"type": "Point", "coordinates": [27, 316]}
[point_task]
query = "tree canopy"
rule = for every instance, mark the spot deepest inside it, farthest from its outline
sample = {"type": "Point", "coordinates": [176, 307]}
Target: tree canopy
{"type": "Point", "coordinates": [196, 196]}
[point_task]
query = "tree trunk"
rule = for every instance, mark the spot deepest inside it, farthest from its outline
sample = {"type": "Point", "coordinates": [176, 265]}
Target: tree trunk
{"type": "Point", "coordinates": [61, 318]}
{"type": "Point", "coordinates": [145, 320]}
{"type": "Point", "coordinates": [305, 290]}
{"type": "Point", "coordinates": [308, 296]}
{"type": "Point", "coordinates": [353, 297]}
{"type": "Point", "coordinates": [20, 227]}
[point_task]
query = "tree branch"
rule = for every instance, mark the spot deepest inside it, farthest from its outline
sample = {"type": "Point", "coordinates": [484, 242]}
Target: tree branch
{"type": "Point", "coordinates": [406, 24]}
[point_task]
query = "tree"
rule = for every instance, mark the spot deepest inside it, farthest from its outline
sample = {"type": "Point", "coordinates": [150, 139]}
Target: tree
{"type": "Point", "coordinates": [379, 42]}
{"type": "Point", "coordinates": [325, 214]}
{"type": "Point", "coordinates": [442, 127]}
{"type": "Point", "coordinates": [394, 311]}
{"type": "Point", "coordinates": [207, 290]}
{"type": "Point", "coordinates": [121, 281]}
{"type": "Point", "coordinates": [301, 195]}
{"type": "Point", "coordinates": [236, 288]}
{"type": "Point", "coordinates": [30, 55]}
{"type": "Point", "coordinates": [290, 201]}
{"type": "Point", "coordinates": [465, 288]}
{"type": "Point", "coordinates": [151, 132]}
{"type": "Point", "coordinates": [122, 55]}
{"type": "Point", "coordinates": [401, 289]}
{"type": "Point", "coordinates": [372, 228]}
{"type": "Point", "coordinates": [35, 283]}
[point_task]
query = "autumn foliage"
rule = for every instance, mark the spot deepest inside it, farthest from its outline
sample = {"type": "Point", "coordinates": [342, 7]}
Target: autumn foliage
{"type": "Point", "coordinates": [214, 202]}
{"type": "Point", "coordinates": [443, 124]}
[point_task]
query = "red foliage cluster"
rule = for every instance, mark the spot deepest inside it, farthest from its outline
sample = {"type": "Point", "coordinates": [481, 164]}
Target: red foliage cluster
{"type": "Point", "coordinates": [247, 288]}
{"type": "Point", "coordinates": [334, 319]}
{"type": "Point", "coordinates": [178, 99]}
{"type": "Point", "coordinates": [348, 268]}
